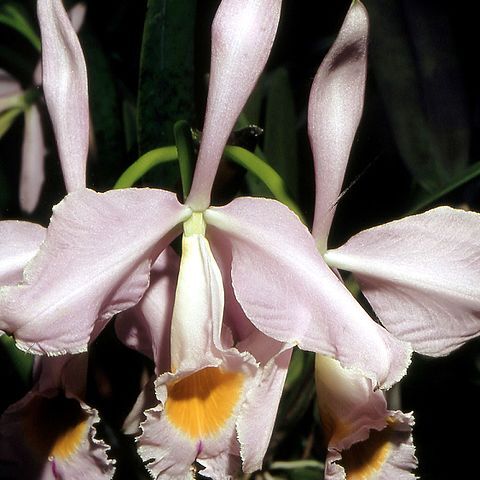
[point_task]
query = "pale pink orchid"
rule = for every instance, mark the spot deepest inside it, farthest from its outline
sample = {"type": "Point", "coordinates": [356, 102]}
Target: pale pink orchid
{"type": "Point", "coordinates": [365, 439]}
{"type": "Point", "coordinates": [12, 96]}
{"type": "Point", "coordinates": [50, 433]}
{"type": "Point", "coordinates": [215, 390]}
{"type": "Point", "coordinates": [99, 248]}
{"type": "Point", "coordinates": [420, 274]}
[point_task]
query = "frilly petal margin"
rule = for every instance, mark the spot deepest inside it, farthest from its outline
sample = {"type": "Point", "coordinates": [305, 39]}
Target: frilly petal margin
{"type": "Point", "coordinates": [421, 276]}
{"type": "Point", "coordinates": [334, 112]}
{"type": "Point", "coordinates": [19, 243]}
{"type": "Point", "coordinates": [29, 448]}
{"type": "Point", "coordinates": [94, 263]}
{"type": "Point", "coordinates": [288, 292]}
{"type": "Point", "coordinates": [365, 439]}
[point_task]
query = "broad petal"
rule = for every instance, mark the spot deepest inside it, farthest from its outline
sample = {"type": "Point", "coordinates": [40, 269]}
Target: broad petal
{"type": "Point", "coordinates": [334, 112]}
{"type": "Point", "coordinates": [94, 263]}
{"type": "Point", "coordinates": [421, 276]}
{"type": "Point", "coordinates": [19, 243]}
{"type": "Point", "coordinates": [196, 417]}
{"type": "Point", "coordinates": [257, 417]}
{"type": "Point", "coordinates": [65, 89]}
{"type": "Point", "coordinates": [32, 174]}
{"type": "Point", "coordinates": [242, 36]}
{"type": "Point", "coordinates": [365, 439]}
{"type": "Point", "coordinates": [288, 292]}
{"type": "Point", "coordinates": [146, 327]}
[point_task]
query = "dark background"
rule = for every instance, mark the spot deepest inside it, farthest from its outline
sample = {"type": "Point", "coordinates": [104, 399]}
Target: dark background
{"type": "Point", "coordinates": [441, 39]}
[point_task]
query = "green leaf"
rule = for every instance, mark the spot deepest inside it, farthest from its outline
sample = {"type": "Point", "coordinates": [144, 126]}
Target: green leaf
{"type": "Point", "coordinates": [426, 199]}
{"type": "Point", "coordinates": [22, 362]}
{"type": "Point", "coordinates": [106, 114]}
{"type": "Point", "coordinates": [14, 16]}
{"type": "Point", "coordinates": [7, 118]}
{"type": "Point", "coordinates": [400, 73]}
{"type": "Point", "coordinates": [166, 87]}
{"type": "Point", "coordinates": [280, 143]}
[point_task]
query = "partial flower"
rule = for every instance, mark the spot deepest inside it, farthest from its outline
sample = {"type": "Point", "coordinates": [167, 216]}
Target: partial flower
{"type": "Point", "coordinates": [365, 440]}
{"type": "Point", "coordinates": [50, 433]}
{"type": "Point", "coordinates": [217, 395]}
{"type": "Point", "coordinates": [14, 99]}
{"type": "Point", "coordinates": [418, 273]}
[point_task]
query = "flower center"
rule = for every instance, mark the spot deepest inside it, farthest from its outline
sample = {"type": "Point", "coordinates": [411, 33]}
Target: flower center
{"type": "Point", "coordinates": [54, 426]}
{"type": "Point", "coordinates": [201, 404]}
{"type": "Point", "coordinates": [364, 459]}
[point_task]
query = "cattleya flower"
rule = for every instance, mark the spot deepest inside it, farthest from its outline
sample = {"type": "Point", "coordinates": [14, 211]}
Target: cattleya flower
{"type": "Point", "coordinates": [251, 283]}
{"type": "Point", "coordinates": [416, 272]}
{"type": "Point", "coordinates": [94, 263]}
{"type": "Point", "coordinates": [365, 439]}
{"type": "Point", "coordinates": [50, 433]}
{"type": "Point", "coordinates": [13, 100]}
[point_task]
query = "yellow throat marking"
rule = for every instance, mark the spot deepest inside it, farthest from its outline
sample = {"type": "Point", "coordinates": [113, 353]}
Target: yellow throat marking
{"type": "Point", "coordinates": [54, 427]}
{"type": "Point", "coordinates": [199, 405]}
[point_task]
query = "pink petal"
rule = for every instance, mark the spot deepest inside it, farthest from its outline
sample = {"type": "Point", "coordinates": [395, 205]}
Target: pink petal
{"type": "Point", "coordinates": [32, 174]}
{"type": "Point", "coordinates": [146, 327]}
{"type": "Point", "coordinates": [198, 308]}
{"type": "Point", "coordinates": [334, 111]}
{"type": "Point", "coordinates": [257, 417]}
{"type": "Point", "coordinates": [287, 291]}
{"type": "Point", "coordinates": [421, 276]}
{"type": "Point", "coordinates": [8, 85]}
{"type": "Point", "coordinates": [94, 263]}
{"type": "Point", "coordinates": [21, 457]}
{"type": "Point", "coordinates": [19, 243]}
{"type": "Point", "coordinates": [242, 36]}
{"type": "Point", "coordinates": [77, 15]}
{"type": "Point", "coordinates": [65, 89]}
{"type": "Point", "coordinates": [365, 439]}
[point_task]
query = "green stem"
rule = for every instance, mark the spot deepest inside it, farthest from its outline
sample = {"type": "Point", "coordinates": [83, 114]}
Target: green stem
{"type": "Point", "coordinates": [186, 154]}
{"type": "Point", "coordinates": [265, 173]}
{"type": "Point", "coordinates": [145, 163]}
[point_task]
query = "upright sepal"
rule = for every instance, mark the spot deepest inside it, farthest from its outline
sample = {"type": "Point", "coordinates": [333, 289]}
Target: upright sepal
{"type": "Point", "coordinates": [334, 111]}
{"type": "Point", "coordinates": [242, 36]}
{"type": "Point", "coordinates": [66, 90]}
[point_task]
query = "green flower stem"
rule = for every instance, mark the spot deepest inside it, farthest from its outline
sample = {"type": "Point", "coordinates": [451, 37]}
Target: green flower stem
{"type": "Point", "coordinates": [186, 154]}
{"type": "Point", "coordinates": [265, 173]}
{"type": "Point", "coordinates": [23, 362]}
{"type": "Point", "coordinates": [145, 163]}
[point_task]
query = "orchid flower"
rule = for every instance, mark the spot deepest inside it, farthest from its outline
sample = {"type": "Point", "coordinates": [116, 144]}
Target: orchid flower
{"type": "Point", "coordinates": [13, 97]}
{"type": "Point", "coordinates": [50, 433]}
{"type": "Point", "coordinates": [216, 396]}
{"type": "Point", "coordinates": [95, 263]}
{"type": "Point", "coordinates": [365, 439]}
{"type": "Point", "coordinates": [418, 273]}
